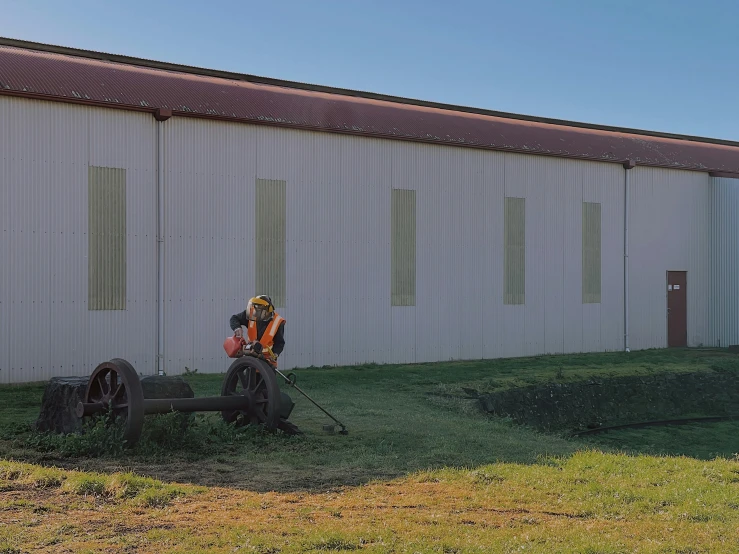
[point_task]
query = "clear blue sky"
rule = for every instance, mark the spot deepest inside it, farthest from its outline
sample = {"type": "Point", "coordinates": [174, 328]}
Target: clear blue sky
{"type": "Point", "coordinates": [666, 65]}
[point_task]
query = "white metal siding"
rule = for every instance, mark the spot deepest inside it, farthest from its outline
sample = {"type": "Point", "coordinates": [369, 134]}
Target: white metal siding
{"type": "Point", "coordinates": [724, 262]}
{"type": "Point", "coordinates": [338, 246]}
{"type": "Point", "coordinates": [45, 326]}
{"type": "Point", "coordinates": [209, 186]}
{"type": "Point", "coordinates": [669, 230]}
{"type": "Point", "coordinates": [554, 319]}
{"type": "Point", "coordinates": [605, 184]}
{"type": "Point", "coordinates": [365, 251]}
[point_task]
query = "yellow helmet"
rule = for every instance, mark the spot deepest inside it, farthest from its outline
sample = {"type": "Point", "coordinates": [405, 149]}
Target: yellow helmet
{"type": "Point", "coordinates": [260, 308]}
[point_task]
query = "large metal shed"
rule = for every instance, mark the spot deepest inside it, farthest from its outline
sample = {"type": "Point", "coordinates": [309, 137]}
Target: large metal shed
{"type": "Point", "coordinates": [141, 203]}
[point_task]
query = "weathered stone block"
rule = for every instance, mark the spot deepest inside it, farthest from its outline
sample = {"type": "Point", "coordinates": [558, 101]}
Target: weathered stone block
{"type": "Point", "coordinates": [58, 405]}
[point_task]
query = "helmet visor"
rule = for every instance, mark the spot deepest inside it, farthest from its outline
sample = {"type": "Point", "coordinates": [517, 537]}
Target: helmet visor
{"type": "Point", "coordinates": [256, 311]}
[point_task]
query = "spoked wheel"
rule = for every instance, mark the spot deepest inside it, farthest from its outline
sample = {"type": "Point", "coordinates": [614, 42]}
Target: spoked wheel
{"type": "Point", "coordinates": [116, 384]}
{"type": "Point", "coordinates": [256, 380]}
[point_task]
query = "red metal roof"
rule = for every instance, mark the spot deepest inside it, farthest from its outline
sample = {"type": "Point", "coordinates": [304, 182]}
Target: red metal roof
{"type": "Point", "coordinates": [77, 78]}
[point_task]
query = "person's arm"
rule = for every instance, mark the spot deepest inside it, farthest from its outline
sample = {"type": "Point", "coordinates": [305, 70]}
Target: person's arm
{"type": "Point", "coordinates": [237, 320]}
{"type": "Point", "coordinates": [279, 343]}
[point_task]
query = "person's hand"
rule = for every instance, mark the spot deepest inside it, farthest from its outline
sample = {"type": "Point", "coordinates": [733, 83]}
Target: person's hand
{"type": "Point", "coordinates": [257, 347]}
{"type": "Point", "coordinates": [239, 333]}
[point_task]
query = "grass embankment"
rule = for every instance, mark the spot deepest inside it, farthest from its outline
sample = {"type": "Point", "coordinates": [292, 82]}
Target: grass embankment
{"type": "Point", "coordinates": [390, 485]}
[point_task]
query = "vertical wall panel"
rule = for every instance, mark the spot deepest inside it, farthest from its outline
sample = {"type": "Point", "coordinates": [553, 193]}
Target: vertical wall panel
{"type": "Point", "coordinates": [611, 179]}
{"type": "Point", "coordinates": [443, 192]}
{"type": "Point", "coordinates": [669, 231]}
{"type": "Point", "coordinates": [44, 190]}
{"type": "Point", "coordinates": [490, 252]}
{"type": "Point", "coordinates": [602, 322]}
{"type": "Point", "coordinates": [123, 140]}
{"type": "Point", "coordinates": [320, 196]}
{"type": "Point", "coordinates": [558, 180]}
{"type": "Point", "coordinates": [724, 295]}
{"type": "Point", "coordinates": [210, 182]}
{"type": "Point", "coordinates": [414, 168]}
{"type": "Point", "coordinates": [517, 182]}
{"type": "Point", "coordinates": [366, 167]}
{"type": "Point", "coordinates": [280, 156]}
{"type": "Point", "coordinates": [7, 247]}
{"type": "Point", "coordinates": [474, 250]}
{"type": "Point", "coordinates": [526, 177]}
{"type": "Point", "coordinates": [572, 316]}
{"type": "Point", "coordinates": [311, 164]}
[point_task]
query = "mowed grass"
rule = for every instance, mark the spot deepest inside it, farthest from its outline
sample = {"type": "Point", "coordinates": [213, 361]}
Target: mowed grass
{"type": "Point", "coordinates": [400, 419]}
{"type": "Point", "coordinates": [422, 470]}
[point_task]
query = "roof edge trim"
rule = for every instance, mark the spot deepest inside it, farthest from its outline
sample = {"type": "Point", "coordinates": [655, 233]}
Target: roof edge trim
{"type": "Point", "coordinates": [724, 175]}
{"type": "Point", "coordinates": [178, 68]}
{"type": "Point", "coordinates": [163, 114]}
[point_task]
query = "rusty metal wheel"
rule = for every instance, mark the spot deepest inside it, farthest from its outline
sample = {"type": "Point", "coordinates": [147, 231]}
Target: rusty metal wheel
{"type": "Point", "coordinates": [255, 379]}
{"type": "Point", "coordinates": [116, 385]}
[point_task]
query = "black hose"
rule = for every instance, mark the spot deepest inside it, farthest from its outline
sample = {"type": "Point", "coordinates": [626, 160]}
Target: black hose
{"type": "Point", "coordinates": [704, 419]}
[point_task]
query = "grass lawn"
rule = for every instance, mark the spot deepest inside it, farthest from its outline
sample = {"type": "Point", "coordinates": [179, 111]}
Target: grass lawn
{"type": "Point", "coordinates": [422, 469]}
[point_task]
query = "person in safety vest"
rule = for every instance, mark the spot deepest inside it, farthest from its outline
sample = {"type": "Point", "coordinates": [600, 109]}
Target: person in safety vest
{"type": "Point", "coordinates": [264, 327]}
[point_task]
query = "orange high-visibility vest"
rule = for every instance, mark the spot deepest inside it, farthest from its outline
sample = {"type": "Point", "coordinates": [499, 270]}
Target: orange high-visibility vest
{"type": "Point", "coordinates": [268, 337]}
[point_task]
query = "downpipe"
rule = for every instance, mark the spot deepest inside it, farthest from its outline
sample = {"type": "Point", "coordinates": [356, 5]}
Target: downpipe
{"type": "Point", "coordinates": [628, 166]}
{"type": "Point", "coordinates": [160, 248]}
{"type": "Point", "coordinates": [161, 115]}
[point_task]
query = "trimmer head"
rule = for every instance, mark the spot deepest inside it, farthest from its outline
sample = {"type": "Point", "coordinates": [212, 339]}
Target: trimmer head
{"type": "Point", "coordinates": [331, 429]}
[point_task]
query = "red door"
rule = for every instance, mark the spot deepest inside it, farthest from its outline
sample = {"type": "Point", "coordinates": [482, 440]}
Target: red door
{"type": "Point", "coordinates": [677, 309]}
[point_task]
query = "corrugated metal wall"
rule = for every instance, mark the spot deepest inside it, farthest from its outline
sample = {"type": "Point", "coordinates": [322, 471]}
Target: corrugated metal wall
{"type": "Point", "coordinates": [725, 262]}
{"type": "Point", "coordinates": [669, 230]}
{"type": "Point", "coordinates": [338, 245]}
{"type": "Point", "coordinates": [46, 328]}
{"type": "Point", "coordinates": [339, 248]}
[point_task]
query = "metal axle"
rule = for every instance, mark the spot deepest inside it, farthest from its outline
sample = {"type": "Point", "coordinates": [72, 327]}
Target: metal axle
{"type": "Point", "coordinates": [166, 405]}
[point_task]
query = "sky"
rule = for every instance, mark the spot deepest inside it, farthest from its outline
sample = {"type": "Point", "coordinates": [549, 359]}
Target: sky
{"type": "Point", "coordinates": [660, 65]}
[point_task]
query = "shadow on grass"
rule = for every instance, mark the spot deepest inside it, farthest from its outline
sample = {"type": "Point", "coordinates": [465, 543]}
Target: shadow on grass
{"type": "Point", "coordinates": [702, 441]}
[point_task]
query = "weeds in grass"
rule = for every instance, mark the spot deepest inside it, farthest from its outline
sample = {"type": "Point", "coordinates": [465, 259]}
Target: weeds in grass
{"type": "Point", "coordinates": [162, 436]}
{"type": "Point", "coordinates": [726, 365]}
{"type": "Point", "coordinates": [101, 436]}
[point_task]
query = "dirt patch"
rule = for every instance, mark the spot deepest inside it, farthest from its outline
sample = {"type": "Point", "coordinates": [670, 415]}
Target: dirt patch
{"type": "Point", "coordinates": [262, 477]}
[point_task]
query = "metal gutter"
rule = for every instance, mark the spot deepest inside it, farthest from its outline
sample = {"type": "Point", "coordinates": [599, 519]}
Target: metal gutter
{"type": "Point", "coordinates": [348, 131]}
